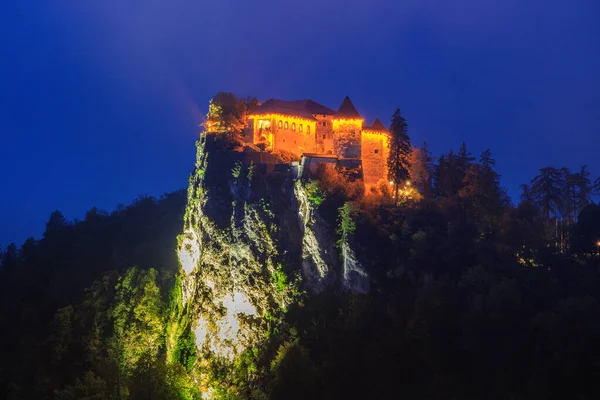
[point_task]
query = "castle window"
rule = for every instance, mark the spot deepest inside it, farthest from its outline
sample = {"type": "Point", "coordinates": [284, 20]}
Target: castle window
{"type": "Point", "coordinates": [279, 125]}
{"type": "Point", "coordinates": [293, 126]}
{"type": "Point", "coordinates": [324, 136]}
{"type": "Point", "coordinates": [308, 129]}
{"type": "Point", "coordinates": [286, 125]}
{"type": "Point", "coordinates": [300, 128]}
{"type": "Point", "coordinates": [376, 151]}
{"type": "Point", "coordinates": [324, 123]}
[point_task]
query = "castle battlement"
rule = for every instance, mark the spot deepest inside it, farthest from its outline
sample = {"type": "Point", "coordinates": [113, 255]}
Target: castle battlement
{"type": "Point", "coordinates": [307, 128]}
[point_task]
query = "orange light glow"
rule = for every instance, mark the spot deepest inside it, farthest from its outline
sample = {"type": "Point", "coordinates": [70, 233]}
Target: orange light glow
{"type": "Point", "coordinates": [340, 123]}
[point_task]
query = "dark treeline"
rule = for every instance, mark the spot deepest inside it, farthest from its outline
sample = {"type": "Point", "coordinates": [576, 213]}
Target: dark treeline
{"type": "Point", "coordinates": [46, 312]}
{"type": "Point", "coordinates": [473, 297]}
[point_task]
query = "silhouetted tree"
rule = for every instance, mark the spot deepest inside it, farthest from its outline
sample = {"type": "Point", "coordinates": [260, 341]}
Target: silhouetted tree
{"type": "Point", "coordinates": [449, 174]}
{"type": "Point", "coordinates": [464, 158]}
{"type": "Point", "coordinates": [526, 195]}
{"type": "Point", "coordinates": [55, 223]}
{"type": "Point", "coordinates": [546, 191]}
{"type": "Point", "coordinates": [585, 233]}
{"type": "Point", "coordinates": [9, 256]}
{"type": "Point", "coordinates": [583, 191]}
{"type": "Point", "coordinates": [481, 184]}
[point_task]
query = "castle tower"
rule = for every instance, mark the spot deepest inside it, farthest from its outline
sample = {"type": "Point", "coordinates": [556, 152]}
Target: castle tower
{"type": "Point", "coordinates": [375, 148]}
{"type": "Point", "coordinates": [347, 130]}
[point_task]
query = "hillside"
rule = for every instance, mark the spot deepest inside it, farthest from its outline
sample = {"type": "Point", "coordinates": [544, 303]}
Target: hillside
{"type": "Point", "coordinates": [264, 284]}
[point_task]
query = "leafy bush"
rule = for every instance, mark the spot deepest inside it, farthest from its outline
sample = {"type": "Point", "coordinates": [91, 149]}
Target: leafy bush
{"type": "Point", "coordinates": [314, 192]}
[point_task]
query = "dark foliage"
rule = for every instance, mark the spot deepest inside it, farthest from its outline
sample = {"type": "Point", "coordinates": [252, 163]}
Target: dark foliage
{"type": "Point", "coordinates": [52, 274]}
{"type": "Point", "coordinates": [471, 297]}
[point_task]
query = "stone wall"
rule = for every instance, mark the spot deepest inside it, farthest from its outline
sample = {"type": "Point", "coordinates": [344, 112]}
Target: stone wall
{"type": "Point", "coordinates": [374, 160]}
{"type": "Point", "coordinates": [296, 135]}
{"type": "Point", "coordinates": [347, 138]}
{"type": "Point", "coordinates": [324, 134]}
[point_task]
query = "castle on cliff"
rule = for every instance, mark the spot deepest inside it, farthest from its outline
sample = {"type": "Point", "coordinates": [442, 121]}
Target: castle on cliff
{"type": "Point", "coordinates": [313, 131]}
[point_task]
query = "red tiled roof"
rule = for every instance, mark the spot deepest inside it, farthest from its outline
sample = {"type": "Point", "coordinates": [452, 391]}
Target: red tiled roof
{"type": "Point", "coordinates": [347, 110]}
{"type": "Point", "coordinates": [299, 108]}
{"type": "Point", "coordinates": [376, 126]}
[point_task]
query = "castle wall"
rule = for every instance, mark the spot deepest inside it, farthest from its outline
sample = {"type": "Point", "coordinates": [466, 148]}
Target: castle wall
{"type": "Point", "coordinates": [347, 137]}
{"type": "Point", "coordinates": [374, 151]}
{"type": "Point", "coordinates": [296, 135]}
{"type": "Point", "coordinates": [324, 135]}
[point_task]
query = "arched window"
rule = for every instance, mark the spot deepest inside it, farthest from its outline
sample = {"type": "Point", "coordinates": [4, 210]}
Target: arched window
{"type": "Point", "coordinates": [293, 126]}
{"type": "Point", "coordinates": [307, 128]}
{"type": "Point", "coordinates": [286, 124]}
{"type": "Point", "coordinates": [324, 123]}
{"type": "Point", "coordinates": [279, 125]}
{"type": "Point", "coordinates": [300, 128]}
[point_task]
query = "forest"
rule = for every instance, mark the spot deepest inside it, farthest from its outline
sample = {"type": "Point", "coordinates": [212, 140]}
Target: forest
{"type": "Point", "coordinates": [473, 295]}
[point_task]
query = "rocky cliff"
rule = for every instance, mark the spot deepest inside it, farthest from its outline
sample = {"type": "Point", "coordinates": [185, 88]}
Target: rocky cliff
{"type": "Point", "coordinates": [253, 243]}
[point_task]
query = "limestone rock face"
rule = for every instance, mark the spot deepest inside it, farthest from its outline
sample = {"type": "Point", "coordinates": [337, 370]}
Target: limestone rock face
{"type": "Point", "coordinates": [319, 258]}
{"type": "Point", "coordinates": [252, 243]}
{"type": "Point", "coordinates": [354, 274]}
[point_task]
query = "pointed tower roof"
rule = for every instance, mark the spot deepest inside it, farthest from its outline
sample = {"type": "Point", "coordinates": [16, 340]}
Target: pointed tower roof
{"type": "Point", "coordinates": [347, 110]}
{"type": "Point", "coordinates": [377, 126]}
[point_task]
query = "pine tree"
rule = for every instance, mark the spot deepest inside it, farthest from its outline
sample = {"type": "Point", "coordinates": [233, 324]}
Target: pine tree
{"type": "Point", "coordinates": [486, 158]}
{"type": "Point", "coordinates": [400, 151]}
{"type": "Point", "coordinates": [547, 193]}
{"type": "Point", "coordinates": [546, 190]}
{"type": "Point", "coordinates": [56, 221]}
{"type": "Point", "coordinates": [481, 184]}
{"type": "Point", "coordinates": [449, 174]}
{"type": "Point", "coordinates": [465, 158]}
{"type": "Point", "coordinates": [526, 194]}
{"type": "Point", "coordinates": [584, 191]}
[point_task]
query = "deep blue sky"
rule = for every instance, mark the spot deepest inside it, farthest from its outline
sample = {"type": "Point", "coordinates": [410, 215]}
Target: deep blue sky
{"type": "Point", "coordinates": [101, 100]}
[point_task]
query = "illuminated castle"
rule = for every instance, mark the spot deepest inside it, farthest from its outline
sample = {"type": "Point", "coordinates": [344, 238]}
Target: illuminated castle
{"type": "Point", "coordinates": [307, 128]}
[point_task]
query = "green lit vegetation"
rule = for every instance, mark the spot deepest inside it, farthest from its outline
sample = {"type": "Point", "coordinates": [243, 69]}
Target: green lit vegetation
{"type": "Point", "coordinates": [314, 192]}
{"type": "Point", "coordinates": [280, 279]}
{"type": "Point", "coordinates": [346, 225]}
{"type": "Point", "coordinates": [236, 170]}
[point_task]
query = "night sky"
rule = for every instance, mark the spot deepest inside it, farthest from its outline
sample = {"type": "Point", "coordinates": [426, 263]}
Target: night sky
{"type": "Point", "coordinates": [101, 103]}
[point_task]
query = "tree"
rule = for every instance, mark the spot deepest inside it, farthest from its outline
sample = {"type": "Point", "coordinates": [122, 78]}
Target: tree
{"type": "Point", "coordinates": [486, 158]}
{"type": "Point", "coordinates": [449, 174]}
{"type": "Point", "coordinates": [526, 196]}
{"type": "Point", "coordinates": [227, 113]}
{"type": "Point", "coordinates": [56, 221]}
{"type": "Point", "coordinates": [546, 192]}
{"type": "Point", "coordinates": [585, 233]}
{"type": "Point", "coordinates": [400, 151]}
{"type": "Point", "coordinates": [464, 159]}
{"type": "Point", "coordinates": [583, 191]}
{"type": "Point", "coordinates": [481, 184]}
{"type": "Point", "coordinates": [421, 170]}
{"type": "Point", "coordinates": [9, 256]}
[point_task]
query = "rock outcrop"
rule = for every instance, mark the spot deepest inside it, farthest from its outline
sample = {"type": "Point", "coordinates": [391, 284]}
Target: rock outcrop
{"type": "Point", "coordinates": [252, 243]}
